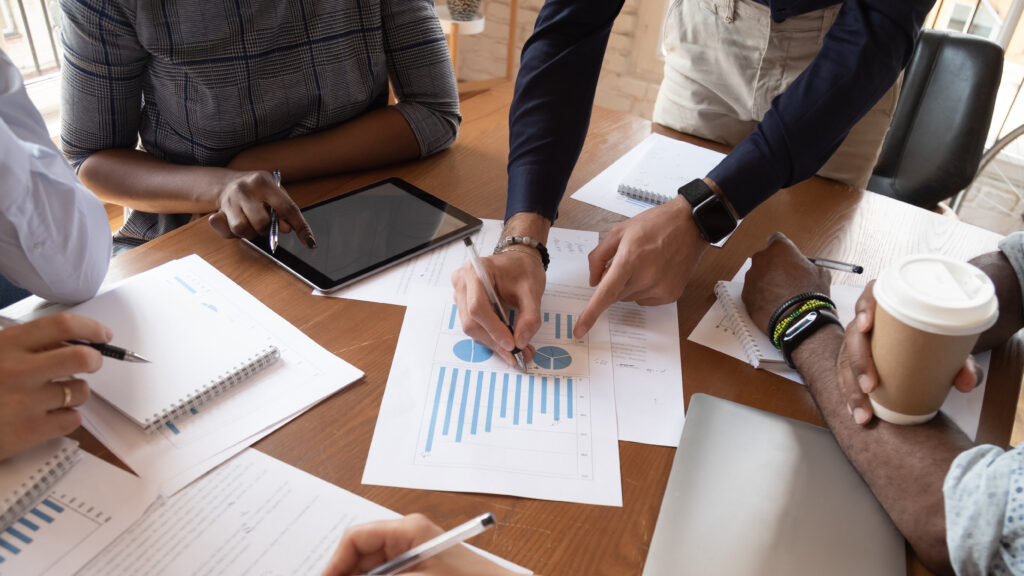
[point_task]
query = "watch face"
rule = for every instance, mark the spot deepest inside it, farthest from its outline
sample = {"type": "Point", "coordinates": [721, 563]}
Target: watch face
{"type": "Point", "coordinates": [714, 219]}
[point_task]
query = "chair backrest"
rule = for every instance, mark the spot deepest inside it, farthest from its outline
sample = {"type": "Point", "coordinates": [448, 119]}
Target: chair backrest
{"type": "Point", "coordinates": [938, 131]}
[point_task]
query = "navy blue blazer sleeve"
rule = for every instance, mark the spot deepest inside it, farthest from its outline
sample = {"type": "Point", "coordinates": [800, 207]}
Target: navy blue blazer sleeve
{"type": "Point", "coordinates": [560, 64]}
{"type": "Point", "coordinates": [860, 58]}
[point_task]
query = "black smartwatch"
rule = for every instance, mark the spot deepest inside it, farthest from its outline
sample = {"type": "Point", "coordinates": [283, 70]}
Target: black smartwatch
{"type": "Point", "coordinates": [710, 212]}
{"type": "Point", "coordinates": [802, 328]}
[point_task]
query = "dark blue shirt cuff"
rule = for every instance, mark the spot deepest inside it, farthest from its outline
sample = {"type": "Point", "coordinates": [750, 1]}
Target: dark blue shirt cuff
{"type": "Point", "coordinates": [533, 189]}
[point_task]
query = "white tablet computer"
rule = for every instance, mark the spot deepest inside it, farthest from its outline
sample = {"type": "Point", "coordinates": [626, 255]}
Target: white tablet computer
{"type": "Point", "coordinates": [366, 231]}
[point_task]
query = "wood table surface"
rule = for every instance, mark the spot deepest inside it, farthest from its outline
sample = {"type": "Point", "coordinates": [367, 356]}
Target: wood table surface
{"type": "Point", "coordinates": [332, 439]}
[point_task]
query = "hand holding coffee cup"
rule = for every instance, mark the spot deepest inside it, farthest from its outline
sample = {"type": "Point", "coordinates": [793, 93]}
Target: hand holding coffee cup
{"type": "Point", "coordinates": [930, 312]}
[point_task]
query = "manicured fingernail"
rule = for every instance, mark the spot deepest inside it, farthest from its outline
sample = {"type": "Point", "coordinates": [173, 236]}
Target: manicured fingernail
{"type": "Point", "coordinates": [865, 383]}
{"type": "Point", "coordinates": [862, 321]}
{"type": "Point", "coordinates": [861, 415]}
{"type": "Point", "coordinates": [310, 241]}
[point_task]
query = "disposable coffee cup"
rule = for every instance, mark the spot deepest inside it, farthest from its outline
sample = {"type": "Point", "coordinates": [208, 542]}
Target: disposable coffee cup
{"type": "Point", "coordinates": [931, 310]}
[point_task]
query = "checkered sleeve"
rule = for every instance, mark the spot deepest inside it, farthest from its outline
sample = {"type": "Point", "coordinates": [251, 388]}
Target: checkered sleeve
{"type": "Point", "coordinates": [421, 73]}
{"type": "Point", "coordinates": [104, 66]}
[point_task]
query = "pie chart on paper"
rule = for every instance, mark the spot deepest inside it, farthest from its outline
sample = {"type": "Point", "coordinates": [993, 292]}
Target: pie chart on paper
{"type": "Point", "coordinates": [469, 351]}
{"type": "Point", "coordinates": [552, 358]}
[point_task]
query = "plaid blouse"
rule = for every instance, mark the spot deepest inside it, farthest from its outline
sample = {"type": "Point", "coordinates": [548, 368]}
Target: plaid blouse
{"type": "Point", "coordinates": [198, 81]}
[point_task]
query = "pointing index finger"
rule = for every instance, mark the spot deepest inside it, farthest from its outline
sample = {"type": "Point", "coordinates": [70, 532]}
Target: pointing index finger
{"type": "Point", "coordinates": [607, 293]}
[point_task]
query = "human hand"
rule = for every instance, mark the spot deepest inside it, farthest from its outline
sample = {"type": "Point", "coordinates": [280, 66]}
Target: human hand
{"type": "Point", "coordinates": [366, 547]}
{"type": "Point", "coordinates": [778, 273]}
{"type": "Point", "coordinates": [647, 259]}
{"type": "Point", "coordinates": [518, 279]}
{"type": "Point", "coordinates": [855, 366]}
{"type": "Point", "coordinates": [243, 203]}
{"type": "Point", "coordinates": [36, 368]}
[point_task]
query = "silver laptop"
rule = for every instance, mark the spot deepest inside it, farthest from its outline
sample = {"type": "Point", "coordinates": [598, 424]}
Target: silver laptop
{"type": "Point", "coordinates": [756, 493]}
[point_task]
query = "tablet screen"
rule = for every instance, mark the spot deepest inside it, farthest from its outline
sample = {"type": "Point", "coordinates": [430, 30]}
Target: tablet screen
{"type": "Point", "coordinates": [367, 230]}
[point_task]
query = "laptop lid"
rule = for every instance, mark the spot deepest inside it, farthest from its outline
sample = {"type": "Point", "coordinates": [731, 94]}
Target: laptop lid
{"type": "Point", "coordinates": [752, 492]}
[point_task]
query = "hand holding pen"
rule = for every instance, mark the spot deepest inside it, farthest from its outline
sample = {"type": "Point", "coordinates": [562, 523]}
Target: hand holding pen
{"type": "Point", "coordinates": [374, 548]}
{"type": "Point", "coordinates": [485, 279]}
{"type": "Point", "coordinates": [249, 201]}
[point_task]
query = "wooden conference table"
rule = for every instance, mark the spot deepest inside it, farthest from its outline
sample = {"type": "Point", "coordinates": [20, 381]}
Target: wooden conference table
{"type": "Point", "coordinates": [332, 439]}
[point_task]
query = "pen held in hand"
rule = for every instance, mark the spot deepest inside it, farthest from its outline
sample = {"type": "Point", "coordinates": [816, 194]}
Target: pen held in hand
{"type": "Point", "coordinates": [485, 279]}
{"type": "Point", "coordinates": [435, 546]}
{"type": "Point", "coordinates": [836, 265]}
{"type": "Point", "coordinates": [108, 350]}
{"type": "Point", "coordinates": [273, 217]}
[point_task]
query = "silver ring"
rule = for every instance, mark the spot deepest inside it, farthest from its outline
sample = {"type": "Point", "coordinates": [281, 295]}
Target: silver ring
{"type": "Point", "coordinates": [67, 395]}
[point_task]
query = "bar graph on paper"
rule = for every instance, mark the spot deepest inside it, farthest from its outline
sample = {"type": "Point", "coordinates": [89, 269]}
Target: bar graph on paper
{"type": "Point", "coordinates": [39, 539]}
{"type": "Point", "coordinates": [535, 423]}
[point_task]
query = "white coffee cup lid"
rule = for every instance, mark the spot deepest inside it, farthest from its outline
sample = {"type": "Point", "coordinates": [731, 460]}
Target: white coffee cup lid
{"type": "Point", "coordinates": [938, 294]}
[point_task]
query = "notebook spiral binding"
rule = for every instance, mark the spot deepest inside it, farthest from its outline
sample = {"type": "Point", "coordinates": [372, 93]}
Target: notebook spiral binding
{"type": "Point", "coordinates": [734, 318]}
{"type": "Point", "coordinates": [217, 386]}
{"type": "Point", "coordinates": [642, 194]}
{"type": "Point", "coordinates": [38, 484]}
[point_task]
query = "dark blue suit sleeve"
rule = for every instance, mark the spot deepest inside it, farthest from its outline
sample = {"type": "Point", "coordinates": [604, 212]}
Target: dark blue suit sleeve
{"type": "Point", "coordinates": [554, 94]}
{"type": "Point", "coordinates": [860, 58]}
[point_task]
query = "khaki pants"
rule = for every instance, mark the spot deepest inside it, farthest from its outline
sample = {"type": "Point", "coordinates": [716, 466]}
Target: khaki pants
{"type": "Point", "coordinates": [725, 60]}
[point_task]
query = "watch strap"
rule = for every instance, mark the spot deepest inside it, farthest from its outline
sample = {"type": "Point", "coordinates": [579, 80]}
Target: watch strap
{"type": "Point", "coordinates": [802, 328]}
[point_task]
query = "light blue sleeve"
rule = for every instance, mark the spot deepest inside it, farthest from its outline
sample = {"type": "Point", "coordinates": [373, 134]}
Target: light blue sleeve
{"type": "Point", "coordinates": [984, 497]}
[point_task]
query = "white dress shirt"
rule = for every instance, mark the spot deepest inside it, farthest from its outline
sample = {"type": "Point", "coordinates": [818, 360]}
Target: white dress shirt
{"type": "Point", "coordinates": [54, 234]}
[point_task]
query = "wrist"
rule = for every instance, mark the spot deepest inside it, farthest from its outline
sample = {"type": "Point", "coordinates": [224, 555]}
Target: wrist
{"type": "Point", "coordinates": [819, 350]}
{"type": "Point", "coordinates": [527, 224]}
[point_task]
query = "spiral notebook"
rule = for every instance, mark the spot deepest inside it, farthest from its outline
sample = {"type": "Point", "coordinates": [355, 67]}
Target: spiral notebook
{"type": "Point", "coordinates": [757, 347]}
{"type": "Point", "coordinates": [197, 353]}
{"type": "Point", "coordinates": [666, 165]}
{"type": "Point", "coordinates": [26, 477]}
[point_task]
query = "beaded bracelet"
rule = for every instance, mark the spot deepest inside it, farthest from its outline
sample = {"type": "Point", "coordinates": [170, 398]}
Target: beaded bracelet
{"type": "Point", "coordinates": [795, 300]}
{"type": "Point", "coordinates": [510, 241]}
{"type": "Point", "coordinates": [780, 328]}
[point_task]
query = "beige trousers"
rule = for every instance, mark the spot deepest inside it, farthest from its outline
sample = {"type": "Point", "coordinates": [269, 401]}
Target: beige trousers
{"type": "Point", "coordinates": [725, 60]}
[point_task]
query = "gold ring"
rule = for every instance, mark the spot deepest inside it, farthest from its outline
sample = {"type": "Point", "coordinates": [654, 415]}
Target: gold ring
{"type": "Point", "coordinates": [67, 396]}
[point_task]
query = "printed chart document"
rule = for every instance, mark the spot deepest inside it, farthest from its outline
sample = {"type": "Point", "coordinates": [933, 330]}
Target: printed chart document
{"type": "Point", "coordinates": [253, 515]}
{"type": "Point", "coordinates": [603, 190]}
{"type": "Point", "coordinates": [83, 513]}
{"type": "Point", "coordinates": [714, 331]}
{"type": "Point", "coordinates": [183, 450]}
{"type": "Point", "coordinates": [456, 417]}
{"type": "Point", "coordinates": [645, 340]}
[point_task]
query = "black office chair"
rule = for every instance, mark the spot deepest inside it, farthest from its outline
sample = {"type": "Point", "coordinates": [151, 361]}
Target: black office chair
{"type": "Point", "coordinates": [938, 131]}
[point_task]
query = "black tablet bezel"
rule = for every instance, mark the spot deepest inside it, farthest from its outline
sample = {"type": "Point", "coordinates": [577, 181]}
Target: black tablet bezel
{"type": "Point", "coordinates": [318, 280]}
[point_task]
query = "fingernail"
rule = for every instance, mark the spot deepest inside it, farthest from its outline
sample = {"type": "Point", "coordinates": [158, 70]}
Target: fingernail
{"type": "Point", "coordinates": [310, 241]}
{"type": "Point", "coordinates": [862, 321]}
{"type": "Point", "coordinates": [865, 383]}
{"type": "Point", "coordinates": [861, 416]}
{"type": "Point", "coordinates": [108, 333]}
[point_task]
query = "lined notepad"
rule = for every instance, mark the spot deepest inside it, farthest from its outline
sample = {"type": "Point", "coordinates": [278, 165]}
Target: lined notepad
{"type": "Point", "coordinates": [197, 353]}
{"type": "Point", "coordinates": [26, 477]}
{"type": "Point", "coordinates": [665, 166]}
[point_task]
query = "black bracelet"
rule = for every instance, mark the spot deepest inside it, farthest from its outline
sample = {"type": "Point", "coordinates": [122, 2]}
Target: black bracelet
{"type": "Point", "coordinates": [799, 298]}
{"type": "Point", "coordinates": [525, 241]}
{"type": "Point", "coordinates": [803, 328]}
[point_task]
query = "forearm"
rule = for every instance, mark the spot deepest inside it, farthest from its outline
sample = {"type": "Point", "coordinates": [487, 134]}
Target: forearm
{"type": "Point", "coordinates": [903, 465]}
{"type": "Point", "coordinates": [139, 181]}
{"type": "Point", "coordinates": [997, 266]}
{"type": "Point", "coordinates": [377, 138]}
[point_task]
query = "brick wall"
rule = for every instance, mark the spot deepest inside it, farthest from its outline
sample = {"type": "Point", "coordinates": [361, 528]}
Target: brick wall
{"type": "Point", "coordinates": [621, 87]}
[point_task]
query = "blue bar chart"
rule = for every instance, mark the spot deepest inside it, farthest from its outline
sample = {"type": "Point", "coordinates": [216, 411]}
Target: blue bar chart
{"type": "Point", "coordinates": [498, 419]}
{"type": "Point", "coordinates": [36, 540]}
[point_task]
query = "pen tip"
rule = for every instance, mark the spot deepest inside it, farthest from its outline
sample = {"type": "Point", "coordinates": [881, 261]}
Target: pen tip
{"type": "Point", "coordinates": [467, 241]}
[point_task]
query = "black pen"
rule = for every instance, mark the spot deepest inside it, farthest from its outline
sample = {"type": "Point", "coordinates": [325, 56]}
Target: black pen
{"type": "Point", "coordinates": [273, 216]}
{"type": "Point", "coordinates": [108, 350]}
{"type": "Point", "coordinates": [836, 265]}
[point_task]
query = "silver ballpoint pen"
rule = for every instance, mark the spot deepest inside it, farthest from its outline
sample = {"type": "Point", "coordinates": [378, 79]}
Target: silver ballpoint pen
{"type": "Point", "coordinates": [836, 265]}
{"type": "Point", "coordinates": [273, 216]}
{"type": "Point", "coordinates": [108, 350]}
{"type": "Point", "coordinates": [436, 546]}
{"type": "Point", "coordinates": [485, 279]}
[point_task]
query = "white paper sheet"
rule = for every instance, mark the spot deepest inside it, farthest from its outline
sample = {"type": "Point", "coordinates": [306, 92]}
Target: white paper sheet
{"type": "Point", "coordinates": [455, 417]}
{"type": "Point", "coordinates": [178, 454]}
{"type": "Point", "coordinates": [253, 515]}
{"type": "Point", "coordinates": [602, 191]}
{"type": "Point", "coordinates": [645, 340]}
{"type": "Point", "coordinates": [712, 331]}
{"type": "Point", "coordinates": [79, 516]}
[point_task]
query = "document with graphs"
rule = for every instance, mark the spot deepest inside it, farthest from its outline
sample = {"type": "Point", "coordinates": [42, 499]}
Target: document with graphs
{"type": "Point", "coordinates": [456, 417]}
